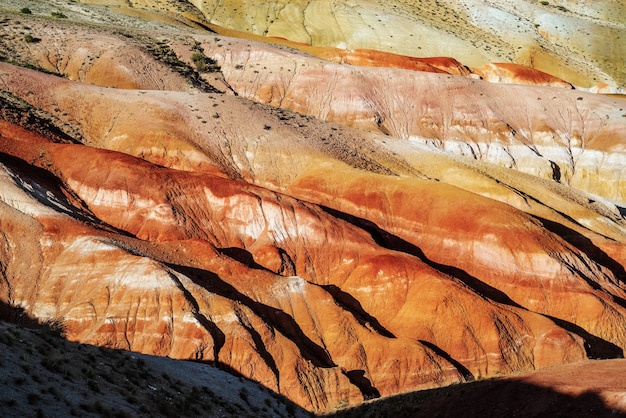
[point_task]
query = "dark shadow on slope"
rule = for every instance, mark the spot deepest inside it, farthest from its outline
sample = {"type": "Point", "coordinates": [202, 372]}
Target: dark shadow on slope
{"type": "Point", "coordinates": [19, 112]}
{"type": "Point", "coordinates": [243, 256]}
{"type": "Point", "coordinates": [262, 350]}
{"type": "Point", "coordinates": [275, 318]}
{"type": "Point", "coordinates": [219, 338]}
{"type": "Point", "coordinates": [358, 379]}
{"type": "Point", "coordinates": [556, 171]}
{"type": "Point", "coordinates": [586, 246]}
{"type": "Point", "coordinates": [395, 243]}
{"type": "Point", "coordinates": [16, 315]}
{"type": "Point", "coordinates": [467, 375]}
{"type": "Point", "coordinates": [50, 191]}
{"type": "Point", "coordinates": [73, 379]}
{"type": "Point", "coordinates": [495, 398]}
{"type": "Point", "coordinates": [596, 347]}
{"type": "Point", "coordinates": [287, 266]}
{"type": "Point", "coordinates": [352, 305]}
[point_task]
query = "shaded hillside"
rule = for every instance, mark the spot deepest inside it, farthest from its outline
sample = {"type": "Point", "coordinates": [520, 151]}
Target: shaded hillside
{"type": "Point", "coordinates": [44, 375]}
{"type": "Point", "coordinates": [589, 389]}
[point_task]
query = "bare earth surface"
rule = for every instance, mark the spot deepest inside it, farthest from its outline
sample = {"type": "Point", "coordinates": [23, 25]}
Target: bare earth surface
{"type": "Point", "coordinates": [342, 224]}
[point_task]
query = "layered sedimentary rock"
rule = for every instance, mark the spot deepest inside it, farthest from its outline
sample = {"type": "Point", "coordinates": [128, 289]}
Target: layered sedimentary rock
{"type": "Point", "coordinates": [558, 133]}
{"type": "Point", "coordinates": [562, 134]}
{"type": "Point", "coordinates": [227, 249]}
{"type": "Point", "coordinates": [175, 216]}
{"type": "Point", "coordinates": [561, 38]}
{"type": "Point", "coordinates": [518, 74]}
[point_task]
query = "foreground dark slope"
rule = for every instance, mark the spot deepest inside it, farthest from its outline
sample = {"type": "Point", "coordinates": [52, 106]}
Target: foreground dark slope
{"type": "Point", "coordinates": [589, 389]}
{"type": "Point", "coordinates": [329, 264]}
{"type": "Point", "coordinates": [44, 375]}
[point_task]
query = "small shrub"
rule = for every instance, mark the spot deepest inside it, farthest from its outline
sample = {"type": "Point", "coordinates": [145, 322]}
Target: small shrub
{"type": "Point", "coordinates": [199, 60]}
{"type": "Point", "coordinates": [30, 39]}
{"type": "Point", "coordinates": [121, 414]}
{"type": "Point", "coordinates": [53, 328]}
{"type": "Point", "coordinates": [52, 364]}
{"type": "Point", "coordinates": [25, 10]}
{"type": "Point", "coordinates": [58, 15]}
{"type": "Point", "coordinates": [33, 398]}
{"type": "Point", "coordinates": [544, 3]}
{"type": "Point", "coordinates": [98, 407]}
{"type": "Point", "coordinates": [52, 391]}
{"type": "Point", "coordinates": [243, 394]}
{"type": "Point", "coordinates": [93, 386]}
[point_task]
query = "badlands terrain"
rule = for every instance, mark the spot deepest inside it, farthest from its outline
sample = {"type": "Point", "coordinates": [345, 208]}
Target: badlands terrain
{"type": "Point", "coordinates": [344, 203]}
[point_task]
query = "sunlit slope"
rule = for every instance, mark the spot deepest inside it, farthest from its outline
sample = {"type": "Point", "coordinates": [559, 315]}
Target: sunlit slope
{"type": "Point", "coordinates": [335, 232]}
{"type": "Point", "coordinates": [338, 234]}
{"type": "Point", "coordinates": [582, 44]}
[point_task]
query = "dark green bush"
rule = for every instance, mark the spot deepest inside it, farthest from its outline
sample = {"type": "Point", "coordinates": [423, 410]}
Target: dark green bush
{"type": "Point", "coordinates": [30, 39]}
{"type": "Point", "coordinates": [199, 61]}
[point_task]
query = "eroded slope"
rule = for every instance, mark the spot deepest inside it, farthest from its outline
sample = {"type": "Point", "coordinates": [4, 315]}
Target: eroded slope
{"type": "Point", "coordinates": [175, 217]}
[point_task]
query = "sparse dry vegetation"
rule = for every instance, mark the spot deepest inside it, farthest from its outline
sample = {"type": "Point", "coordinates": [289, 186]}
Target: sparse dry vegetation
{"type": "Point", "coordinates": [67, 379]}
